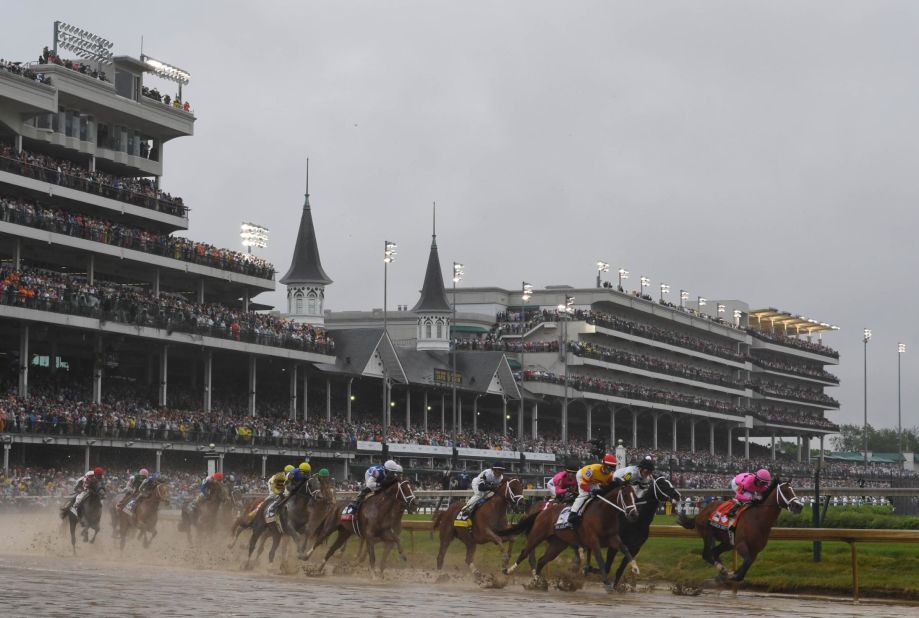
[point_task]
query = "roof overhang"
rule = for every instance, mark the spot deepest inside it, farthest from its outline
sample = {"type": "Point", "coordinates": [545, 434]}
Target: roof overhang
{"type": "Point", "coordinates": [792, 323]}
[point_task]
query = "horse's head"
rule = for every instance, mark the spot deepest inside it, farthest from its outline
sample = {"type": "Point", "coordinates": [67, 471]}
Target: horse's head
{"type": "Point", "coordinates": [621, 497]}
{"type": "Point", "coordinates": [161, 489]}
{"type": "Point", "coordinates": [512, 492]}
{"type": "Point", "coordinates": [664, 490]}
{"type": "Point", "coordinates": [407, 495]}
{"type": "Point", "coordinates": [786, 498]}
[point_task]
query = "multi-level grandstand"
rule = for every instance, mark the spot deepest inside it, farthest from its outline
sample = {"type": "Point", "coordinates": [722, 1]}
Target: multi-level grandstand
{"type": "Point", "coordinates": [126, 343]}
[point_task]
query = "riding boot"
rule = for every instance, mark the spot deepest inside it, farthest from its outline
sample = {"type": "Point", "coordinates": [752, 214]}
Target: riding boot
{"type": "Point", "coordinates": [366, 491]}
{"type": "Point", "coordinates": [574, 518]}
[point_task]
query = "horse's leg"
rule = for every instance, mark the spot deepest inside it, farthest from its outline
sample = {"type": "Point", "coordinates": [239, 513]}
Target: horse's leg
{"type": "Point", "coordinates": [339, 541]}
{"type": "Point", "coordinates": [748, 558]}
{"type": "Point", "coordinates": [556, 546]}
{"type": "Point", "coordinates": [275, 541]}
{"type": "Point", "coordinates": [372, 556]}
{"type": "Point", "coordinates": [526, 552]}
{"type": "Point", "coordinates": [716, 557]}
{"type": "Point", "coordinates": [73, 533]}
{"type": "Point", "coordinates": [470, 553]}
{"type": "Point", "coordinates": [253, 540]}
{"type": "Point", "coordinates": [446, 536]}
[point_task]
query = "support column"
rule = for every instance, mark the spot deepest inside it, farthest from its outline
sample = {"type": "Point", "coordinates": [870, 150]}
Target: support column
{"type": "Point", "coordinates": [86, 457]}
{"type": "Point", "coordinates": [475, 414]}
{"type": "Point", "coordinates": [612, 425]}
{"type": "Point", "coordinates": [24, 360]}
{"type": "Point", "coordinates": [634, 428]}
{"type": "Point", "coordinates": [91, 269]}
{"type": "Point", "coordinates": [200, 291]}
{"type": "Point", "coordinates": [821, 450]}
{"type": "Point", "coordinates": [673, 416]}
{"type": "Point", "coordinates": [328, 399]}
{"type": "Point", "coordinates": [208, 379]}
{"type": "Point", "coordinates": [807, 448]}
{"type": "Point", "coordinates": [798, 440]}
{"type": "Point", "coordinates": [292, 411]}
{"type": "Point", "coordinates": [159, 460]}
{"type": "Point", "coordinates": [17, 144]}
{"type": "Point", "coordinates": [17, 253]}
{"type": "Point", "coordinates": [246, 301]}
{"type": "Point", "coordinates": [220, 463]}
{"type": "Point", "coordinates": [97, 370]}
{"type": "Point", "coordinates": [427, 409]}
{"type": "Point", "coordinates": [692, 436]}
{"type": "Point", "coordinates": [305, 395]}
{"type": "Point", "coordinates": [156, 282]}
{"type": "Point", "coordinates": [264, 466]}
{"type": "Point", "coordinates": [459, 413]}
{"type": "Point", "coordinates": [252, 385]}
{"type": "Point", "coordinates": [711, 437]}
{"type": "Point", "coordinates": [730, 442]}
{"type": "Point", "coordinates": [503, 416]}
{"type": "Point", "coordinates": [534, 423]}
{"type": "Point", "coordinates": [443, 418]}
{"type": "Point", "coordinates": [408, 409]}
{"type": "Point", "coordinates": [589, 418]}
{"type": "Point", "coordinates": [164, 372]}
{"type": "Point", "coordinates": [349, 401]}
{"type": "Point", "coordinates": [773, 446]}
{"type": "Point", "coordinates": [52, 357]}
{"type": "Point", "coordinates": [746, 444]}
{"type": "Point", "coordinates": [7, 446]}
{"type": "Point", "coordinates": [655, 416]}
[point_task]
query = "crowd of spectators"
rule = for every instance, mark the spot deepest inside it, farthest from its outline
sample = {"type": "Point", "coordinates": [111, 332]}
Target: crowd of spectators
{"type": "Point", "coordinates": [49, 57]}
{"type": "Point", "coordinates": [489, 343]}
{"type": "Point", "coordinates": [63, 293]}
{"type": "Point", "coordinates": [138, 191]}
{"type": "Point", "coordinates": [775, 414]}
{"type": "Point", "coordinates": [800, 369]}
{"type": "Point", "coordinates": [649, 363]}
{"type": "Point", "coordinates": [631, 391]}
{"type": "Point", "coordinates": [176, 103]}
{"type": "Point", "coordinates": [784, 391]}
{"type": "Point", "coordinates": [17, 68]}
{"type": "Point", "coordinates": [32, 214]}
{"type": "Point", "coordinates": [793, 342]}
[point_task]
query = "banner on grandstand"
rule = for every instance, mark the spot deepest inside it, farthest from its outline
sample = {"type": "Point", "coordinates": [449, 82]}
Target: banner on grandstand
{"type": "Point", "coordinates": [411, 449]}
{"type": "Point", "coordinates": [442, 376]}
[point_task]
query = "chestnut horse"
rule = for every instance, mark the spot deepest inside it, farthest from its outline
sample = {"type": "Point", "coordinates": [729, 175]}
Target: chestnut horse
{"type": "Point", "coordinates": [599, 528]}
{"type": "Point", "coordinates": [377, 520]}
{"type": "Point", "coordinates": [489, 517]}
{"type": "Point", "coordinates": [752, 532]}
{"type": "Point", "coordinates": [146, 513]}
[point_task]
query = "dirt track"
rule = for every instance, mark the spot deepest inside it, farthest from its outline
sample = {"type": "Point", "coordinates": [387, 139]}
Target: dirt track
{"type": "Point", "coordinates": [41, 577]}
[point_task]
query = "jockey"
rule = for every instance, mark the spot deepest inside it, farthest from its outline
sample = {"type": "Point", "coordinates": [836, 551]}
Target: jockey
{"type": "Point", "coordinates": [143, 491]}
{"type": "Point", "coordinates": [639, 477]}
{"type": "Point", "coordinates": [483, 485]}
{"type": "Point", "coordinates": [131, 487]}
{"type": "Point", "coordinates": [278, 486]}
{"type": "Point", "coordinates": [206, 489]}
{"type": "Point", "coordinates": [563, 485]}
{"type": "Point", "coordinates": [84, 484]}
{"type": "Point", "coordinates": [304, 469]}
{"type": "Point", "coordinates": [591, 478]}
{"type": "Point", "coordinates": [377, 477]}
{"type": "Point", "coordinates": [748, 486]}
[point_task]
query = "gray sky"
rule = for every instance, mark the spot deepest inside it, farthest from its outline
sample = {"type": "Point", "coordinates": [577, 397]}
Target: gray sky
{"type": "Point", "coordinates": [760, 151]}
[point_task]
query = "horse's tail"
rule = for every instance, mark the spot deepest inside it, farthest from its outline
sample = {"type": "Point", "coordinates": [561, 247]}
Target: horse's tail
{"type": "Point", "coordinates": [686, 521]}
{"type": "Point", "coordinates": [524, 525]}
{"type": "Point", "coordinates": [435, 520]}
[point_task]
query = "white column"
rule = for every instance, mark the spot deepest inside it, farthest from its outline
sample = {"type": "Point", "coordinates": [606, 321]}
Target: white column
{"type": "Point", "coordinates": [673, 416]}
{"type": "Point", "coordinates": [86, 458]}
{"type": "Point", "coordinates": [612, 426]}
{"type": "Point", "coordinates": [246, 301]}
{"type": "Point", "coordinates": [292, 412]}
{"type": "Point", "coordinates": [746, 444]}
{"type": "Point", "coordinates": [264, 466]}
{"type": "Point", "coordinates": [475, 413]}
{"type": "Point", "coordinates": [159, 459]}
{"type": "Point", "coordinates": [208, 379]}
{"type": "Point", "coordinates": [655, 416]}
{"type": "Point", "coordinates": [821, 450]}
{"type": "Point", "coordinates": [503, 416]}
{"type": "Point", "coordinates": [534, 423]}
{"type": "Point", "coordinates": [220, 463]}
{"type": "Point", "coordinates": [692, 436]}
{"type": "Point", "coordinates": [443, 418]}
{"type": "Point", "coordinates": [91, 269]}
{"type": "Point", "coordinates": [97, 371]}
{"type": "Point", "coordinates": [711, 437]}
{"type": "Point", "coordinates": [348, 406]}
{"type": "Point", "coordinates": [24, 360]}
{"type": "Point", "coordinates": [17, 144]}
{"type": "Point", "coordinates": [798, 440]}
{"type": "Point", "coordinates": [773, 446]}
{"type": "Point", "coordinates": [806, 441]}
{"type": "Point", "coordinates": [201, 291]}
{"type": "Point", "coordinates": [17, 253]}
{"type": "Point", "coordinates": [252, 385]}
{"type": "Point", "coordinates": [426, 410]}
{"type": "Point", "coordinates": [328, 399]}
{"type": "Point", "coordinates": [156, 282]}
{"type": "Point", "coordinates": [589, 419]}
{"type": "Point", "coordinates": [164, 372]}
{"type": "Point", "coordinates": [459, 413]}
{"type": "Point", "coordinates": [305, 395]}
{"type": "Point", "coordinates": [408, 409]}
{"type": "Point", "coordinates": [634, 428]}
{"type": "Point", "coordinates": [6, 457]}
{"type": "Point", "coordinates": [730, 442]}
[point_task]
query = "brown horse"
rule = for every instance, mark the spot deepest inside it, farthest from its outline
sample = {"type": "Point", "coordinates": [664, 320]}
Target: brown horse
{"type": "Point", "coordinates": [376, 521]}
{"type": "Point", "coordinates": [202, 514]}
{"type": "Point", "coordinates": [752, 531]}
{"type": "Point", "coordinates": [599, 528]}
{"type": "Point", "coordinates": [489, 517]}
{"type": "Point", "coordinates": [146, 512]}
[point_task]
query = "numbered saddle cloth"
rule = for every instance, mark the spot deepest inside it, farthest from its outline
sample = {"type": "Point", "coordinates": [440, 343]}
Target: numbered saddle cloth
{"type": "Point", "coordinates": [562, 522]}
{"type": "Point", "coordinates": [463, 519]}
{"type": "Point", "coordinates": [347, 514]}
{"type": "Point", "coordinates": [723, 519]}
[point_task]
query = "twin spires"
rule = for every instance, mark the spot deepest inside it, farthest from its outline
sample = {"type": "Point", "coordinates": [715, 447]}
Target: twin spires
{"type": "Point", "coordinates": [433, 309]}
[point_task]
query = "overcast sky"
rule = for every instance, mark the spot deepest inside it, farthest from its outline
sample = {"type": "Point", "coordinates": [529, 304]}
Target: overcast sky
{"type": "Point", "coordinates": [759, 151]}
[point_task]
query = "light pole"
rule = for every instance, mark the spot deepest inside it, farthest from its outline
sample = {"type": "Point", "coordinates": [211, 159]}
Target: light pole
{"type": "Point", "coordinates": [389, 255]}
{"type": "Point", "coordinates": [644, 282]}
{"type": "Point", "coordinates": [623, 274]}
{"type": "Point", "coordinates": [565, 309]}
{"type": "Point", "coordinates": [901, 350]}
{"type": "Point", "coordinates": [457, 277]}
{"type": "Point", "coordinates": [721, 309]}
{"type": "Point", "coordinates": [701, 303]}
{"type": "Point", "coordinates": [684, 296]}
{"type": "Point", "coordinates": [665, 289]}
{"type": "Point", "coordinates": [737, 314]}
{"type": "Point", "coordinates": [527, 290]}
{"type": "Point", "coordinates": [866, 339]}
{"type": "Point", "coordinates": [602, 267]}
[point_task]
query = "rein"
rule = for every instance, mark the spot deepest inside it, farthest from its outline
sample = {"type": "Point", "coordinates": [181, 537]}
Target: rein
{"type": "Point", "coordinates": [510, 496]}
{"type": "Point", "coordinates": [625, 508]}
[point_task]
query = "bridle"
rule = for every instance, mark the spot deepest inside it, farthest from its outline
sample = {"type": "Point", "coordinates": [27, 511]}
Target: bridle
{"type": "Point", "coordinates": [622, 507]}
{"type": "Point", "coordinates": [509, 494]}
{"type": "Point", "coordinates": [409, 497]}
{"type": "Point", "coordinates": [781, 498]}
{"type": "Point", "coordinates": [660, 495]}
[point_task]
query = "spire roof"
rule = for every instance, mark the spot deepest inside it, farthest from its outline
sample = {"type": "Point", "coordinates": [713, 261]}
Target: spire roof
{"type": "Point", "coordinates": [433, 296]}
{"type": "Point", "coordinates": [306, 267]}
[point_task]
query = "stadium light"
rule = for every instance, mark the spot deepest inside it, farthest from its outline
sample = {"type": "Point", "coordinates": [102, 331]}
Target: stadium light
{"type": "Point", "coordinates": [458, 272]}
{"type": "Point", "coordinates": [901, 350]}
{"type": "Point", "coordinates": [389, 251]}
{"type": "Point", "coordinates": [253, 235]}
{"type": "Point", "coordinates": [721, 308]}
{"type": "Point", "coordinates": [81, 42]}
{"type": "Point", "coordinates": [602, 267]}
{"type": "Point", "coordinates": [643, 282]}
{"type": "Point", "coordinates": [701, 302]}
{"type": "Point", "coordinates": [866, 339]}
{"type": "Point", "coordinates": [527, 292]}
{"type": "Point", "coordinates": [665, 289]}
{"type": "Point", "coordinates": [684, 296]}
{"type": "Point", "coordinates": [166, 71]}
{"type": "Point", "coordinates": [623, 274]}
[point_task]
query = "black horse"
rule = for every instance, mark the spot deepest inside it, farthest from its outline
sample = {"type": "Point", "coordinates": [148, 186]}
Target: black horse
{"type": "Point", "coordinates": [89, 514]}
{"type": "Point", "coordinates": [634, 534]}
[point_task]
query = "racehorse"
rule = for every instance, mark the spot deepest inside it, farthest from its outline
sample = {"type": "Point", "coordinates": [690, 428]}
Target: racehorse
{"type": "Point", "coordinates": [275, 529]}
{"type": "Point", "coordinates": [89, 515]}
{"type": "Point", "coordinates": [308, 507]}
{"type": "Point", "coordinates": [204, 516]}
{"type": "Point", "coordinates": [146, 513]}
{"type": "Point", "coordinates": [752, 529]}
{"type": "Point", "coordinates": [489, 517]}
{"type": "Point", "coordinates": [634, 534]}
{"type": "Point", "coordinates": [377, 519]}
{"type": "Point", "coordinates": [595, 531]}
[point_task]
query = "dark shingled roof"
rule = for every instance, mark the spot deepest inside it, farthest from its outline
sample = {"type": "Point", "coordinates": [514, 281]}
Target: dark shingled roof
{"type": "Point", "coordinates": [433, 297]}
{"type": "Point", "coordinates": [305, 267]}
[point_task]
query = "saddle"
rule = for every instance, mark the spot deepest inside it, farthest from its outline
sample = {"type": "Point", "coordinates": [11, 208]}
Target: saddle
{"type": "Point", "coordinates": [348, 513]}
{"type": "Point", "coordinates": [562, 522]}
{"type": "Point", "coordinates": [464, 518]}
{"type": "Point", "coordinates": [723, 519]}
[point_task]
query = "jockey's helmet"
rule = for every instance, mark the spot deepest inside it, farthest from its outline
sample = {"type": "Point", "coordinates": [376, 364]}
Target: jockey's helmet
{"type": "Point", "coordinates": [296, 475]}
{"type": "Point", "coordinates": [392, 466]}
{"type": "Point", "coordinates": [288, 468]}
{"type": "Point", "coordinates": [498, 466]}
{"type": "Point", "coordinates": [144, 472]}
{"type": "Point", "coordinates": [98, 471]}
{"type": "Point", "coordinates": [610, 460]}
{"type": "Point", "coordinates": [763, 477]}
{"type": "Point", "coordinates": [324, 472]}
{"type": "Point", "coordinates": [646, 464]}
{"type": "Point", "coordinates": [305, 468]}
{"type": "Point", "coordinates": [218, 476]}
{"type": "Point", "coordinates": [90, 473]}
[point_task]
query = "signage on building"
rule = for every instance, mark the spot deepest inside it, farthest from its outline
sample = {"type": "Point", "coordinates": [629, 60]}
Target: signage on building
{"type": "Point", "coordinates": [442, 376]}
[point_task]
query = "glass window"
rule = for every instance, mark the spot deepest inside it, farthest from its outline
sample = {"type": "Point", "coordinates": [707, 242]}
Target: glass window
{"type": "Point", "coordinates": [427, 330]}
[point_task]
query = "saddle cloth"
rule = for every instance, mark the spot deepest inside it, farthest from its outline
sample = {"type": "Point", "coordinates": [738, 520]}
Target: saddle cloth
{"type": "Point", "coordinates": [721, 519]}
{"type": "Point", "coordinates": [562, 522]}
{"type": "Point", "coordinates": [347, 514]}
{"type": "Point", "coordinates": [463, 519]}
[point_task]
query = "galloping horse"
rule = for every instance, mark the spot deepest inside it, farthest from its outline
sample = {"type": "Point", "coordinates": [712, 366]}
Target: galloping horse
{"type": "Point", "coordinates": [489, 517]}
{"type": "Point", "coordinates": [596, 530]}
{"type": "Point", "coordinates": [378, 519]}
{"type": "Point", "coordinates": [89, 515]}
{"type": "Point", "coordinates": [204, 517]}
{"type": "Point", "coordinates": [752, 532]}
{"type": "Point", "coordinates": [146, 512]}
{"type": "Point", "coordinates": [634, 534]}
{"type": "Point", "coordinates": [308, 507]}
{"type": "Point", "coordinates": [276, 529]}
